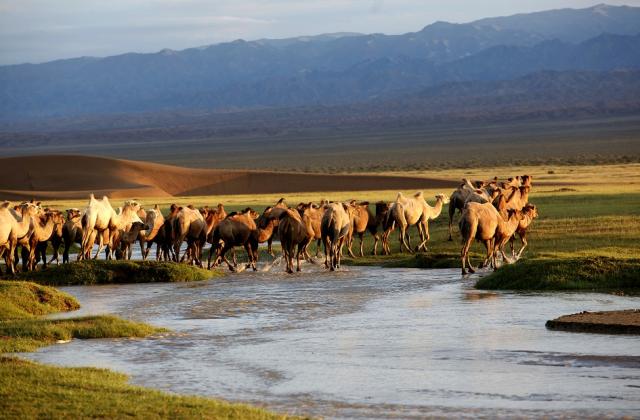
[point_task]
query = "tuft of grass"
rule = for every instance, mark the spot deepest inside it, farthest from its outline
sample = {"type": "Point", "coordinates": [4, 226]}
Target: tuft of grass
{"type": "Point", "coordinates": [29, 334]}
{"type": "Point", "coordinates": [20, 300]}
{"type": "Point", "coordinates": [107, 272]}
{"type": "Point", "coordinates": [33, 390]}
{"type": "Point", "coordinates": [584, 274]}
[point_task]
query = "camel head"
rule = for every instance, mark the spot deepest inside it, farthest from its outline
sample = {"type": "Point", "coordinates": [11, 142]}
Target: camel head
{"type": "Point", "coordinates": [73, 213]}
{"type": "Point", "coordinates": [531, 210]}
{"type": "Point", "coordinates": [442, 197]}
{"type": "Point", "coordinates": [526, 180]}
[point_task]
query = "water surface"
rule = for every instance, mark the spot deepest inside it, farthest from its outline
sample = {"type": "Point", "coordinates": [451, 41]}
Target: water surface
{"type": "Point", "coordinates": [366, 343]}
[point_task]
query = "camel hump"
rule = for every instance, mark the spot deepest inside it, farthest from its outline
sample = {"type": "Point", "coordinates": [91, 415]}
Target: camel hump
{"type": "Point", "coordinates": [156, 207]}
{"type": "Point", "coordinates": [5, 204]}
{"type": "Point", "coordinates": [105, 198]}
{"type": "Point", "coordinates": [419, 194]}
{"type": "Point", "coordinates": [399, 197]}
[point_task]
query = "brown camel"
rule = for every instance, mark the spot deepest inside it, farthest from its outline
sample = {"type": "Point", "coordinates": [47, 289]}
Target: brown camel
{"type": "Point", "coordinates": [483, 222]}
{"type": "Point", "coordinates": [530, 212]}
{"type": "Point", "coordinates": [335, 226]}
{"type": "Point", "coordinates": [314, 214]}
{"type": "Point", "coordinates": [363, 221]}
{"type": "Point", "coordinates": [479, 192]}
{"type": "Point", "coordinates": [12, 229]}
{"type": "Point", "coordinates": [71, 232]}
{"type": "Point", "coordinates": [211, 218]}
{"type": "Point", "coordinates": [237, 229]}
{"type": "Point", "coordinates": [125, 241]}
{"type": "Point", "coordinates": [294, 232]}
{"type": "Point", "coordinates": [48, 226]}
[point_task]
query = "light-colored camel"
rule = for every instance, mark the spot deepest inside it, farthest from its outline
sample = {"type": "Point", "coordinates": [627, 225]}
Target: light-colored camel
{"type": "Point", "coordinates": [410, 211]}
{"type": "Point", "coordinates": [482, 222]}
{"type": "Point", "coordinates": [154, 220]}
{"type": "Point", "coordinates": [189, 225]}
{"type": "Point", "coordinates": [12, 229]}
{"type": "Point", "coordinates": [529, 213]}
{"type": "Point", "coordinates": [237, 229]}
{"type": "Point", "coordinates": [335, 225]}
{"type": "Point", "coordinates": [519, 198]}
{"type": "Point", "coordinates": [101, 221]}
{"type": "Point", "coordinates": [294, 232]}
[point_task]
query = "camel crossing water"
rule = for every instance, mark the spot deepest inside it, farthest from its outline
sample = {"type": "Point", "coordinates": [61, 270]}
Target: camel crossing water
{"type": "Point", "coordinates": [492, 212]}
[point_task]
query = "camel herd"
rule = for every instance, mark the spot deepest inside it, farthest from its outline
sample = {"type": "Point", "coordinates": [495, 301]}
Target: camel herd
{"type": "Point", "coordinates": [491, 212]}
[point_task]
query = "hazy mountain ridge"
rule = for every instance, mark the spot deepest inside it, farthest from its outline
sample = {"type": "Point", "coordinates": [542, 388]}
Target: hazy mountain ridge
{"type": "Point", "coordinates": [329, 69]}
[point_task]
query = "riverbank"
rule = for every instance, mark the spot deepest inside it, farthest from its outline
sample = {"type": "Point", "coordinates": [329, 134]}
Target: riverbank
{"type": "Point", "coordinates": [90, 272]}
{"type": "Point", "coordinates": [592, 274]}
{"type": "Point", "coordinates": [32, 390]}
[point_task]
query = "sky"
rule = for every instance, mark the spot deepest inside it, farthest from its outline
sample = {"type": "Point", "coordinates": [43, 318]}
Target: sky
{"type": "Point", "coordinates": [43, 30]}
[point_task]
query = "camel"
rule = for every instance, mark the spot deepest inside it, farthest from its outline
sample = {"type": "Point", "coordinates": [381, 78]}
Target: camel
{"type": "Point", "coordinates": [483, 223]}
{"type": "Point", "coordinates": [154, 220]}
{"type": "Point", "coordinates": [530, 212]}
{"type": "Point", "coordinates": [100, 218]}
{"type": "Point", "coordinates": [363, 221]}
{"type": "Point", "coordinates": [382, 210]}
{"type": "Point", "coordinates": [71, 232]}
{"type": "Point", "coordinates": [458, 199]}
{"type": "Point", "coordinates": [124, 244]}
{"type": "Point", "coordinates": [335, 226]}
{"type": "Point", "coordinates": [12, 229]}
{"type": "Point", "coordinates": [410, 211]}
{"type": "Point", "coordinates": [314, 214]}
{"type": "Point", "coordinates": [166, 236]}
{"type": "Point", "coordinates": [211, 218]}
{"type": "Point", "coordinates": [267, 226]}
{"type": "Point", "coordinates": [519, 198]}
{"type": "Point", "coordinates": [237, 229]}
{"type": "Point", "coordinates": [294, 231]}
{"type": "Point", "coordinates": [189, 225]}
{"type": "Point", "coordinates": [49, 225]}
{"type": "Point", "coordinates": [503, 235]}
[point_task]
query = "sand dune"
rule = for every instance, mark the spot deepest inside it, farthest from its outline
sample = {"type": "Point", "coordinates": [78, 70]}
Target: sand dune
{"type": "Point", "coordinates": [68, 177]}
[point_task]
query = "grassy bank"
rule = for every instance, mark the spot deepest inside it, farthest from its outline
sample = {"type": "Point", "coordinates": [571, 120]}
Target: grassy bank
{"type": "Point", "coordinates": [583, 274]}
{"type": "Point", "coordinates": [55, 392]}
{"type": "Point", "coordinates": [22, 329]}
{"type": "Point", "coordinates": [109, 272]}
{"type": "Point", "coordinates": [32, 390]}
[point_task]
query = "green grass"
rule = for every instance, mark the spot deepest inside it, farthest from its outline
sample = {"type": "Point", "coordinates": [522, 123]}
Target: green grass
{"type": "Point", "coordinates": [22, 329]}
{"type": "Point", "coordinates": [22, 300]}
{"type": "Point", "coordinates": [584, 274]}
{"type": "Point", "coordinates": [32, 390]}
{"type": "Point", "coordinates": [108, 272]}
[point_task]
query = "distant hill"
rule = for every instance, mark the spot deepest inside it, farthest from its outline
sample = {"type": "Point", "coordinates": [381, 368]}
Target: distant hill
{"type": "Point", "coordinates": [325, 70]}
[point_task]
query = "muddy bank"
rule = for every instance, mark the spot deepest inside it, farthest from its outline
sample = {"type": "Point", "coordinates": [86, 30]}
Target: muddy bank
{"type": "Point", "coordinates": [608, 322]}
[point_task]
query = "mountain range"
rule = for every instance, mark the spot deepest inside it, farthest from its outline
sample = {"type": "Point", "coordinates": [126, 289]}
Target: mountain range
{"type": "Point", "coordinates": [576, 47]}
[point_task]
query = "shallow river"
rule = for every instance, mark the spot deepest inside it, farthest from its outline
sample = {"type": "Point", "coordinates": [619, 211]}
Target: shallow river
{"type": "Point", "coordinates": [366, 342]}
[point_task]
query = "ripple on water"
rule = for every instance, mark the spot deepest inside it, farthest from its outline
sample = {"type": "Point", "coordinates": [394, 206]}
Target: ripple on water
{"type": "Point", "coordinates": [366, 342]}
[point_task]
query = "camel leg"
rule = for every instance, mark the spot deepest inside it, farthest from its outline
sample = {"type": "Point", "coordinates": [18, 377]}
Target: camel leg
{"type": "Point", "coordinates": [523, 238]}
{"type": "Point", "coordinates": [350, 246]}
{"type": "Point", "coordinates": [452, 212]}
{"type": "Point", "coordinates": [9, 257]}
{"type": "Point", "coordinates": [376, 239]}
{"type": "Point", "coordinates": [300, 246]}
{"type": "Point", "coordinates": [326, 252]}
{"type": "Point", "coordinates": [361, 236]}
